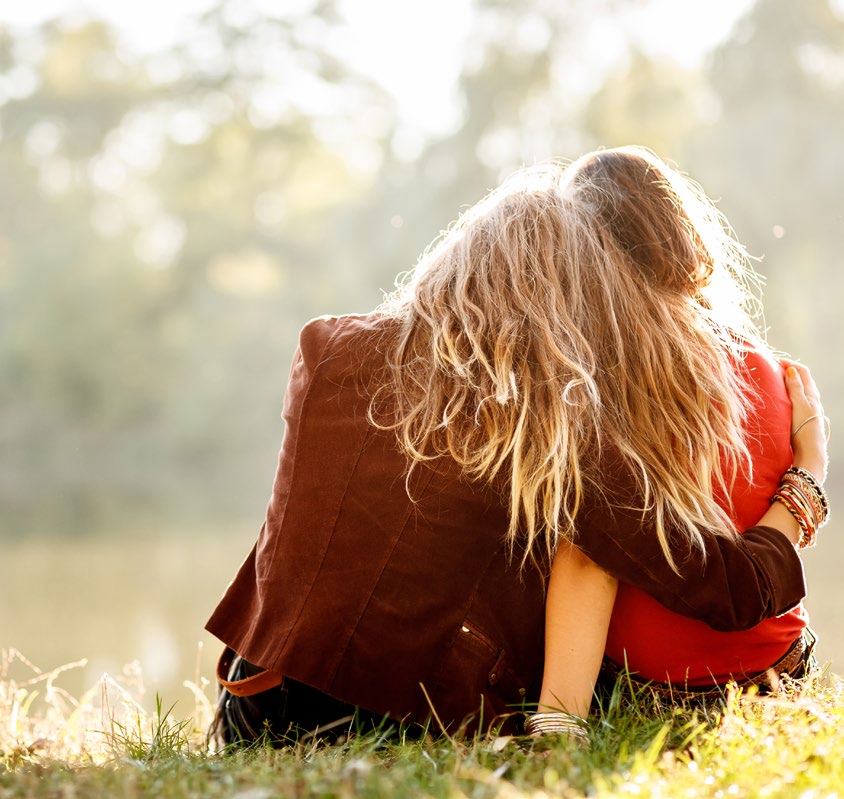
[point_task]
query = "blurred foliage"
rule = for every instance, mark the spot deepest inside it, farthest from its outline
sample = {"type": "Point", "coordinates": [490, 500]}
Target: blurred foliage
{"type": "Point", "coordinates": [169, 220]}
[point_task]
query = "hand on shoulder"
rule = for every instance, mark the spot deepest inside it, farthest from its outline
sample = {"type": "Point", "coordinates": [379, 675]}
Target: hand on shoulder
{"type": "Point", "coordinates": [808, 423]}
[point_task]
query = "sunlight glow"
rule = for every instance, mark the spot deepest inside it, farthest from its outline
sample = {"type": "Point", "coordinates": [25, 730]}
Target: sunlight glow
{"type": "Point", "coordinates": [414, 51]}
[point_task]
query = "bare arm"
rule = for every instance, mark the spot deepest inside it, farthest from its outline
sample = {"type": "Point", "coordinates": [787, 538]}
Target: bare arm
{"type": "Point", "coordinates": [577, 615]}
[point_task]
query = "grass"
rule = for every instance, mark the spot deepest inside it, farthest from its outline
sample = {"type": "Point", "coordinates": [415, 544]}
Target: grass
{"type": "Point", "coordinates": [104, 744]}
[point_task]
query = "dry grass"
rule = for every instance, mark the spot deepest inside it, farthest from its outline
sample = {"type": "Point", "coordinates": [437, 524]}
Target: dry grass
{"type": "Point", "coordinates": [39, 720]}
{"type": "Point", "coordinates": [105, 743]}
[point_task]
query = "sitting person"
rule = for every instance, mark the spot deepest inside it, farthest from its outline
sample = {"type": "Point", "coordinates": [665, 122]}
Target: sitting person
{"type": "Point", "coordinates": [640, 209]}
{"type": "Point", "coordinates": [440, 449]}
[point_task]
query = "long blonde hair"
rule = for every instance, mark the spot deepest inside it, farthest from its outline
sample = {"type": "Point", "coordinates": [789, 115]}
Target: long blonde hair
{"type": "Point", "coordinates": [599, 306]}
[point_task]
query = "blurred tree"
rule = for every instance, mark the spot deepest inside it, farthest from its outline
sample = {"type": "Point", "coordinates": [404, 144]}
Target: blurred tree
{"type": "Point", "coordinates": [653, 102]}
{"type": "Point", "coordinates": [773, 152]}
{"type": "Point", "coordinates": [65, 296]}
{"type": "Point", "coordinates": [162, 237]}
{"type": "Point", "coordinates": [529, 70]}
{"type": "Point", "coordinates": [168, 221]}
{"type": "Point", "coordinates": [780, 80]}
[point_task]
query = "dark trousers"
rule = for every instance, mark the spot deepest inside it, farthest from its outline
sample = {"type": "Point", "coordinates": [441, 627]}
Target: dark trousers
{"type": "Point", "coordinates": [285, 714]}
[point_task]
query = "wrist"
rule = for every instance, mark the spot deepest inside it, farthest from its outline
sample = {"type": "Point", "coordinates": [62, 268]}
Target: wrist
{"type": "Point", "coordinates": [802, 495]}
{"type": "Point", "coordinates": [814, 465]}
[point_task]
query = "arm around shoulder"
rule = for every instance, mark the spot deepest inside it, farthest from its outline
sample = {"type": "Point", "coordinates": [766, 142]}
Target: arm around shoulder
{"type": "Point", "coordinates": [732, 583]}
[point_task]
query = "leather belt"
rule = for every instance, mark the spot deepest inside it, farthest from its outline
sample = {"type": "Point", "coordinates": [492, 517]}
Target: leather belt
{"type": "Point", "coordinates": [248, 686]}
{"type": "Point", "coordinates": [796, 662]}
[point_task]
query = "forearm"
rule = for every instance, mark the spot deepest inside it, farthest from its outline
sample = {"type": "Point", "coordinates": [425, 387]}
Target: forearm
{"type": "Point", "coordinates": [778, 517]}
{"type": "Point", "coordinates": [577, 614]}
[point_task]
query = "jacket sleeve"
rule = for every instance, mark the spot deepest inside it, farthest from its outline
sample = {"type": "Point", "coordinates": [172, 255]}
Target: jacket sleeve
{"type": "Point", "coordinates": [734, 583]}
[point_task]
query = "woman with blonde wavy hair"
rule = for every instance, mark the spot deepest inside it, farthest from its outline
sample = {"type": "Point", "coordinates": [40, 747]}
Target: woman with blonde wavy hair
{"type": "Point", "coordinates": [558, 381]}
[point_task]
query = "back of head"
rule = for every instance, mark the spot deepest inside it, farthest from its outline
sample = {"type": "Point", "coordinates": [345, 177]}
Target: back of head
{"type": "Point", "coordinates": [680, 286]}
{"type": "Point", "coordinates": [567, 314]}
{"type": "Point", "coordinates": [664, 226]}
{"type": "Point", "coordinates": [638, 209]}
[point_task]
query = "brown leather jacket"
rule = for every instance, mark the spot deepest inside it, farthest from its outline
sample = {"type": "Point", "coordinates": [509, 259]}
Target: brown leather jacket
{"type": "Point", "coordinates": [358, 591]}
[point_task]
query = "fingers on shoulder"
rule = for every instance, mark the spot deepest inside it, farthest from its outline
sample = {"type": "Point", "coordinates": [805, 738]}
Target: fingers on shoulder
{"type": "Point", "coordinates": [801, 385]}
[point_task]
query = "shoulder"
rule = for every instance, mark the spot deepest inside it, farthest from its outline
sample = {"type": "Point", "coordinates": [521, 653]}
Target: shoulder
{"type": "Point", "coordinates": [337, 351]}
{"type": "Point", "coordinates": [768, 423]}
{"type": "Point", "coordinates": [764, 372]}
{"type": "Point", "coordinates": [350, 335]}
{"type": "Point", "coordinates": [758, 356]}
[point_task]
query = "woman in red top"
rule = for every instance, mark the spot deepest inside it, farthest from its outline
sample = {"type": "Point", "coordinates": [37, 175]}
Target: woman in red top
{"type": "Point", "coordinates": [663, 646]}
{"type": "Point", "coordinates": [644, 213]}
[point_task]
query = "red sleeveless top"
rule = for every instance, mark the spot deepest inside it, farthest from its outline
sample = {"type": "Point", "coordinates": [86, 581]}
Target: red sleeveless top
{"type": "Point", "coordinates": [661, 645]}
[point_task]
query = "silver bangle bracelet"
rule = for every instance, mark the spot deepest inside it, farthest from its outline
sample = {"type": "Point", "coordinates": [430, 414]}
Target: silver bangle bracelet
{"type": "Point", "coordinates": [824, 419]}
{"type": "Point", "coordinates": [559, 723]}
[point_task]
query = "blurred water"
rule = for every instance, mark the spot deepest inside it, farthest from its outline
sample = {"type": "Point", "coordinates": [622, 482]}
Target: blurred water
{"type": "Point", "coordinates": [116, 601]}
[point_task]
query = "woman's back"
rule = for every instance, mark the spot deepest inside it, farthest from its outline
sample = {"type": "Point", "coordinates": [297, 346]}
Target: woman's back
{"type": "Point", "coordinates": [664, 646]}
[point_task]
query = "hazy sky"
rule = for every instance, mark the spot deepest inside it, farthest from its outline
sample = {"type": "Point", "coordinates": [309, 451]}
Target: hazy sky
{"type": "Point", "coordinates": [414, 49]}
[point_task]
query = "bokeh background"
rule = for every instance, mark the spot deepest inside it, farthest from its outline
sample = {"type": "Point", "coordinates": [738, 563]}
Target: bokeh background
{"type": "Point", "coordinates": [183, 185]}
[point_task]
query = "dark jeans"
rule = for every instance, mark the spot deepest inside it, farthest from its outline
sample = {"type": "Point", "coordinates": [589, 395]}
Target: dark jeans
{"type": "Point", "coordinates": [285, 714]}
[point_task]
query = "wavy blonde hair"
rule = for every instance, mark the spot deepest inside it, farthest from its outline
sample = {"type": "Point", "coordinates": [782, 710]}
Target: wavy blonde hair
{"type": "Point", "coordinates": [596, 306]}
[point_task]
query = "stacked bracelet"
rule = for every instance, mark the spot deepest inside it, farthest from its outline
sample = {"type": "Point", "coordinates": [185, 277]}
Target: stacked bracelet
{"type": "Point", "coordinates": [559, 723]}
{"type": "Point", "coordinates": [808, 532]}
{"type": "Point", "coordinates": [804, 498]}
{"type": "Point", "coordinates": [819, 499]}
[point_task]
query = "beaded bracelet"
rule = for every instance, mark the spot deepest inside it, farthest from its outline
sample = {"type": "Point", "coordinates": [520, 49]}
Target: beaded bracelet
{"type": "Point", "coordinates": [800, 508]}
{"type": "Point", "coordinates": [804, 498]}
{"type": "Point", "coordinates": [807, 533]}
{"type": "Point", "coordinates": [796, 473]}
{"type": "Point", "coordinates": [806, 495]}
{"type": "Point", "coordinates": [801, 512]}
